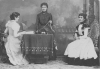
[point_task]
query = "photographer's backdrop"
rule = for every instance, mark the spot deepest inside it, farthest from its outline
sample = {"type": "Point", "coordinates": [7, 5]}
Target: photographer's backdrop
{"type": "Point", "coordinates": [65, 16]}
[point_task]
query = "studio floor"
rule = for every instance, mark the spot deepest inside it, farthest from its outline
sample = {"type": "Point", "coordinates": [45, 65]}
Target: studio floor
{"type": "Point", "coordinates": [57, 64]}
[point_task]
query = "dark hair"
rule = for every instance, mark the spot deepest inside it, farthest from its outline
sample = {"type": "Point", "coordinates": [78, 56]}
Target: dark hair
{"type": "Point", "coordinates": [83, 14]}
{"type": "Point", "coordinates": [13, 15]}
{"type": "Point", "coordinates": [84, 22]}
{"type": "Point", "coordinates": [44, 4]}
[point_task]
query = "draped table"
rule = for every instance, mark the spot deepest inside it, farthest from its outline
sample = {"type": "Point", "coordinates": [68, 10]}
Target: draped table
{"type": "Point", "coordinates": [37, 44]}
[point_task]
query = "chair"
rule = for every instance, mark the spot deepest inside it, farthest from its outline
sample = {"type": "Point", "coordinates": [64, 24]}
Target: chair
{"type": "Point", "coordinates": [94, 34]}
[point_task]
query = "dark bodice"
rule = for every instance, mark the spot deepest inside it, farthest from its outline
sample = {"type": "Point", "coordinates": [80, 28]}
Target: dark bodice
{"type": "Point", "coordinates": [42, 20]}
{"type": "Point", "coordinates": [84, 25]}
{"type": "Point", "coordinates": [44, 17]}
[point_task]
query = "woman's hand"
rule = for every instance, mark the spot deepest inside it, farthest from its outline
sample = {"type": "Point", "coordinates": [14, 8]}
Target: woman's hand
{"type": "Point", "coordinates": [50, 21]}
{"type": "Point", "coordinates": [26, 32]}
{"type": "Point", "coordinates": [22, 33]}
{"type": "Point", "coordinates": [29, 32]}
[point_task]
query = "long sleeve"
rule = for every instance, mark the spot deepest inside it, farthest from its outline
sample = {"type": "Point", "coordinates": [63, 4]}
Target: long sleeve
{"type": "Point", "coordinates": [37, 22]}
{"type": "Point", "coordinates": [6, 30]}
{"type": "Point", "coordinates": [51, 18]}
{"type": "Point", "coordinates": [76, 35]}
{"type": "Point", "coordinates": [16, 28]}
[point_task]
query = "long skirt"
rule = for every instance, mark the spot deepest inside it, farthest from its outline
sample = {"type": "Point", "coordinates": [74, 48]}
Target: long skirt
{"type": "Point", "coordinates": [13, 50]}
{"type": "Point", "coordinates": [81, 49]}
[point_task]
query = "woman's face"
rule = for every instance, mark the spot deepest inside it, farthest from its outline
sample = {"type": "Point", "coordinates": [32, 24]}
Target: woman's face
{"type": "Point", "coordinates": [81, 18]}
{"type": "Point", "coordinates": [17, 18]}
{"type": "Point", "coordinates": [44, 8]}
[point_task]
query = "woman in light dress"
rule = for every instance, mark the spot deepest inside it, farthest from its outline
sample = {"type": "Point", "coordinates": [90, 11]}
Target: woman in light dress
{"type": "Point", "coordinates": [81, 51]}
{"type": "Point", "coordinates": [12, 45]}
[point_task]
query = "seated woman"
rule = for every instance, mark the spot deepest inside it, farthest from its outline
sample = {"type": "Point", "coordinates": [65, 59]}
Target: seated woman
{"type": "Point", "coordinates": [13, 42]}
{"type": "Point", "coordinates": [81, 51]}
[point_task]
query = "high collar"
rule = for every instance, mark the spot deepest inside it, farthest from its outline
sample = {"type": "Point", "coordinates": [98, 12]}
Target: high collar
{"type": "Point", "coordinates": [12, 20]}
{"type": "Point", "coordinates": [44, 12]}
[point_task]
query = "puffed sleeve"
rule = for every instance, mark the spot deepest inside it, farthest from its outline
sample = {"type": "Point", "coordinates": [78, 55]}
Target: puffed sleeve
{"type": "Point", "coordinates": [15, 27]}
{"type": "Point", "coordinates": [6, 30]}
{"type": "Point", "coordinates": [7, 24]}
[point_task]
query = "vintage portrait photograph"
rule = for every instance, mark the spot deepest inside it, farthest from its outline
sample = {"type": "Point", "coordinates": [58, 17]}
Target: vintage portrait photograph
{"type": "Point", "coordinates": [49, 34]}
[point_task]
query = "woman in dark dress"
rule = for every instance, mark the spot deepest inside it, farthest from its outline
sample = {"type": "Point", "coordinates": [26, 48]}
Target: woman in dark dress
{"type": "Point", "coordinates": [44, 20]}
{"type": "Point", "coordinates": [44, 24]}
{"type": "Point", "coordinates": [81, 51]}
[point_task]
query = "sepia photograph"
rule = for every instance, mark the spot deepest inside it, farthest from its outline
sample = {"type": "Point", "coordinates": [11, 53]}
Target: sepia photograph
{"type": "Point", "coordinates": [49, 34]}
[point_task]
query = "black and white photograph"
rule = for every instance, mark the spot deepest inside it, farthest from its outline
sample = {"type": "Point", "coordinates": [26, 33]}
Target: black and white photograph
{"type": "Point", "coordinates": [49, 34]}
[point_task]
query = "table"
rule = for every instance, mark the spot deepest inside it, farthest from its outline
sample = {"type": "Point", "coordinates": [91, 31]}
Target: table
{"type": "Point", "coordinates": [37, 44]}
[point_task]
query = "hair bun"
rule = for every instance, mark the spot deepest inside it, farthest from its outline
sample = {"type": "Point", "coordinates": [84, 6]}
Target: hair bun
{"type": "Point", "coordinates": [44, 3]}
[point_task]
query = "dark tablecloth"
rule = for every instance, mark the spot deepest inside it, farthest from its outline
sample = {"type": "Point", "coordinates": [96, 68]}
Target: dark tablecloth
{"type": "Point", "coordinates": [37, 44]}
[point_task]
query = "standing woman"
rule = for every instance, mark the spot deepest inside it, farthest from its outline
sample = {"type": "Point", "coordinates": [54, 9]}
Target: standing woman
{"type": "Point", "coordinates": [12, 45]}
{"type": "Point", "coordinates": [81, 51]}
{"type": "Point", "coordinates": [44, 24]}
{"type": "Point", "coordinates": [44, 20]}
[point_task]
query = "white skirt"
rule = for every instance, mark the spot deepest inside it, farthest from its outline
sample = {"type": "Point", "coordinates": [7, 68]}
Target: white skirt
{"type": "Point", "coordinates": [82, 48]}
{"type": "Point", "coordinates": [13, 50]}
